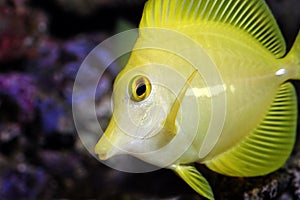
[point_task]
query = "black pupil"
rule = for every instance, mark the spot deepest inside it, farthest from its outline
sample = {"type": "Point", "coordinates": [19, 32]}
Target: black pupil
{"type": "Point", "coordinates": [141, 89]}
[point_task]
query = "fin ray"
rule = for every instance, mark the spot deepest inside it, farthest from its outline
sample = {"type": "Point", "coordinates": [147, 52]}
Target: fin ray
{"type": "Point", "coordinates": [251, 16]}
{"type": "Point", "coordinates": [269, 145]}
{"type": "Point", "coordinates": [194, 179]}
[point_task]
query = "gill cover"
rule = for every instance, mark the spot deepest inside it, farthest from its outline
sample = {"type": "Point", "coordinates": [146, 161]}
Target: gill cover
{"type": "Point", "coordinates": [170, 122]}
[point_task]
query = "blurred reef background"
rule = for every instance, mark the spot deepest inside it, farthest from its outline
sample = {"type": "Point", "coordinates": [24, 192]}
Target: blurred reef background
{"type": "Point", "coordinates": [42, 45]}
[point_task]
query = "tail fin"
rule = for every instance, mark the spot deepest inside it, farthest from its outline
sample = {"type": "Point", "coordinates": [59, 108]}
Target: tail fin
{"type": "Point", "coordinates": [293, 57]}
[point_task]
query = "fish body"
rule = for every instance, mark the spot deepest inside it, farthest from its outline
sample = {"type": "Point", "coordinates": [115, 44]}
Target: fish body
{"type": "Point", "coordinates": [208, 82]}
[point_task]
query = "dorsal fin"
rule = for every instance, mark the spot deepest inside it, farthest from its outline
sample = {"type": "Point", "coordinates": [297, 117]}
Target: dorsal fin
{"type": "Point", "coordinates": [251, 16]}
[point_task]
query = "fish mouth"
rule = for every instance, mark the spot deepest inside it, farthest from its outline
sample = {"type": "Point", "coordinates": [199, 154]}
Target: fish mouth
{"type": "Point", "coordinates": [104, 152]}
{"type": "Point", "coordinates": [106, 146]}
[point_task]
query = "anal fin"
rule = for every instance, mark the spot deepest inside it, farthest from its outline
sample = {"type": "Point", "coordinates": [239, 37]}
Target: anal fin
{"type": "Point", "coordinates": [269, 145]}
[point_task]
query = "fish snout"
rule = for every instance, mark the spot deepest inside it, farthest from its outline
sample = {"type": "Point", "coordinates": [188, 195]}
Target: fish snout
{"type": "Point", "coordinates": [104, 149]}
{"type": "Point", "coordinates": [112, 142]}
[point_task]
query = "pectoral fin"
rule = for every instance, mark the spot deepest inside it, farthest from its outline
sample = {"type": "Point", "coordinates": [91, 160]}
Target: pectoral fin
{"type": "Point", "coordinates": [194, 179]}
{"type": "Point", "coordinates": [269, 145]}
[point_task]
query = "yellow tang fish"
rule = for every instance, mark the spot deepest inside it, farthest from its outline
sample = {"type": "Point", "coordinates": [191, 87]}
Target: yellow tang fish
{"type": "Point", "coordinates": [208, 82]}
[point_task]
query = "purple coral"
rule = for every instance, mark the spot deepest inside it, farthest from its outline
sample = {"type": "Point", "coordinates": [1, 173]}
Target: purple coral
{"type": "Point", "coordinates": [22, 89]}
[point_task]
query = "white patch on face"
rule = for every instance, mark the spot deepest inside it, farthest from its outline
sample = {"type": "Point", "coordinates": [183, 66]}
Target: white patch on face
{"type": "Point", "coordinates": [280, 72]}
{"type": "Point", "coordinates": [207, 92]}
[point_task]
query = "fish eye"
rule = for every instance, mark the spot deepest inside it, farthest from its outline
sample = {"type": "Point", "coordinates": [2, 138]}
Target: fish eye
{"type": "Point", "coordinates": [139, 88]}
